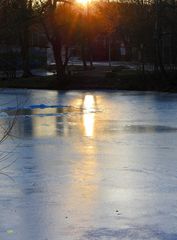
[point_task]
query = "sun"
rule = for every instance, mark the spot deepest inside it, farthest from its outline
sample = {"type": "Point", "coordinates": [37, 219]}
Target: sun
{"type": "Point", "coordinates": [83, 2]}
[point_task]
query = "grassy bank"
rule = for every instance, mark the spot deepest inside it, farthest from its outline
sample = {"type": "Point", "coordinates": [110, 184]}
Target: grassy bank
{"type": "Point", "coordinates": [118, 80]}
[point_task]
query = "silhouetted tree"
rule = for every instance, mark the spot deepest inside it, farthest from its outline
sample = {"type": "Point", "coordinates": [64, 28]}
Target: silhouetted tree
{"type": "Point", "coordinates": [16, 19]}
{"type": "Point", "coordinates": [56, 18]}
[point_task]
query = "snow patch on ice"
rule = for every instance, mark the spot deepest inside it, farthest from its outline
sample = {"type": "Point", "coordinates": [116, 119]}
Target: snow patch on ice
{"type": "Point", "coordinates": [4, 114]}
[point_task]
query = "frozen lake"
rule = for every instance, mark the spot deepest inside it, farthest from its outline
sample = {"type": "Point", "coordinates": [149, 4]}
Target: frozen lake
{"type": "Point", "coordinates": [88, 165]}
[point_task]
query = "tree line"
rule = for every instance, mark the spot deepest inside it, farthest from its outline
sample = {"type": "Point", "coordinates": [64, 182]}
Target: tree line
{"type": "Point", "coordinates": [148, 27]}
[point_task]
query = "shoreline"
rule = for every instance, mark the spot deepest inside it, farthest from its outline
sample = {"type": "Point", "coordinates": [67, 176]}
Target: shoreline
{"type": "Point", "coordinates": [129, 82]}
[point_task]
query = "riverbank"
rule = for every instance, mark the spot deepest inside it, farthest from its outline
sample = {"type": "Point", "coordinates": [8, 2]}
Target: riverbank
{"type": "Point", "coordinates": [96, 79]}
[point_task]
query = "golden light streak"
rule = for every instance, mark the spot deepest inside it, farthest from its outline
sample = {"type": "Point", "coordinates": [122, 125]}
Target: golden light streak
{"type": "Point", "coordinates": [89, 115]}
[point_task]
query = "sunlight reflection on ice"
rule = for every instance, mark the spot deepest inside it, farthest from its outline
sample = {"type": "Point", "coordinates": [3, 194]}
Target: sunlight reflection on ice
{"type": "Point", "coordinates": [89, 115]}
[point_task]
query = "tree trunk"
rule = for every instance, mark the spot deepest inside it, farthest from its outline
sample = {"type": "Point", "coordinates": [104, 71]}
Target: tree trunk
{"type": "Point", "coordinates": [66, 60]}
{"type": "Point", "coordinates": [109, 51]}
{"type": "Point", "coordinates": [158, 43]}
{"type": "Point", "coordinates": [90, 53]}
{"type": "Point", "coordinates": [57, 51]}
{"type": "Point", "coordinates": [25, 52]}
{"type": "Point", "coordinates": [83, 54]}
{"type": "Point", "coordinates": [159, 55]}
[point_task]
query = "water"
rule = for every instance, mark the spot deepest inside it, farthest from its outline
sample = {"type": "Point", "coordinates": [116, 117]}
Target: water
{"type": "Point", "coordinates": [88, 165]}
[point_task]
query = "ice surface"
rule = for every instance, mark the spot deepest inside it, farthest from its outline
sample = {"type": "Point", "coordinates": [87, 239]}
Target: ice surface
{"type": "Point", "coordinates": [82, 174]}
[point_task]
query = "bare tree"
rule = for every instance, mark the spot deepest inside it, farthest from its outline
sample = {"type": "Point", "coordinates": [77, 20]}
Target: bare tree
{"type": "Point", "coordinates": [56, 19]}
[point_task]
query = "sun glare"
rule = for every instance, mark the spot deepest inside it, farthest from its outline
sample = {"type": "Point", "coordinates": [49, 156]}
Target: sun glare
{"type": "Point", "coordinates": [89, 103]}
{"type": "Point", "coordinates": [89, 116]}
{"type": "Point", "coordinates": [83, 2]}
